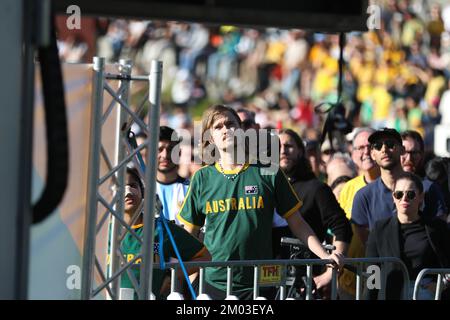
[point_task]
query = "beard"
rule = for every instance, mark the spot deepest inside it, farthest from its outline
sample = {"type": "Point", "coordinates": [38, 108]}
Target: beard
{"type": "Point", "coordinates": [168, 169]}
{"type": "Point", "coordinates": [390, 166]}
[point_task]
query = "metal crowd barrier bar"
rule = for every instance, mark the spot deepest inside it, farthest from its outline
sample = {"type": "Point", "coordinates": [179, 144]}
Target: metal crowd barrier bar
{"type": "Point", "coordinates": [439, 272]}
{"type": "Point", "coordinates": [359, 262]}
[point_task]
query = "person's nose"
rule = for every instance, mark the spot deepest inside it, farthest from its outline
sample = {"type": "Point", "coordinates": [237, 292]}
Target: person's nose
{"type": "Point", "coordinates": [229, 129]}
{"type": "Point", "coordinates": [384, 148]}
{"type": "Point", "coordinates": [164, 154]}
{"type": "Point", "coordinates": [366, 150]}
{"type": "Point", "coordinates": [128, 191]}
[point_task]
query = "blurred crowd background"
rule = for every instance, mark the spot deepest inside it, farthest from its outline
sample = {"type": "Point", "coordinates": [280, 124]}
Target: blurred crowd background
{"type": "Point", "coordinates": [396, 76]}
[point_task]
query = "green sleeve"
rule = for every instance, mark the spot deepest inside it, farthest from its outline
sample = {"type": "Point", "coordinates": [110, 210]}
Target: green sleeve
{"type": "Point", "coordinates": [188, 246]}
{"type": "Point", "coordinates": [189, 213]}
{"type": "Point", "coordinates": [286, 200]}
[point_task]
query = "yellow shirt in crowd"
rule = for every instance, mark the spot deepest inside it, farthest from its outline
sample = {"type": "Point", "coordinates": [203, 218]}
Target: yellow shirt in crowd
{"type": "Point", "coordinates": [347, 280]}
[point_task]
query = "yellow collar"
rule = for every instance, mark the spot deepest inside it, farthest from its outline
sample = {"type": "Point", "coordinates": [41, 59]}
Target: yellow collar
{"type": "Point", "coordinates": [234, 171]}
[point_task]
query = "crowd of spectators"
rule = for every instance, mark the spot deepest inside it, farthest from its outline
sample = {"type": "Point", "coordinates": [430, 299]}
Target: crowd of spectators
{"type": "Point", "coordinates": [395, 76]}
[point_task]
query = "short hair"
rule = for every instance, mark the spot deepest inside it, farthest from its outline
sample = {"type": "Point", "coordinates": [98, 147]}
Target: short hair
{"type": "Point", "coordinates": [168, 134]}
{"type": "Point", "coordinates": [358, 131]}
{"type": "Point", "coordinates": [133, 172]}
{"type": "Point", "coordinates": [410, 177]}
{"type": "Point", "coordinates": [347, 160]}
{"type": "Point", "coordinates": [437, 168]}
{"type": "Point", "coordinates": [339, 180]}
{"type": "Point", "coordinates": [414, 135]}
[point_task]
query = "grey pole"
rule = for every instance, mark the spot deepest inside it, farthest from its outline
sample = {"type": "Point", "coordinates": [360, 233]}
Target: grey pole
{"type": "Point", "coordinates": [125, 70]}
{"type": "Point", "coordinates": [437, 294]}
{"type": "Point", "coordinates": [283, 283]}
{"type": "Point", "coordinates": [309, 282]}
{"type": "Point", "coordinates": [93, 175]}
{"type": "Point", "coordinates": [333, 284]}
{"type": "Point", "coordinates": [255, 282]}
{"type": "Point", "coordinates": [229, 281]}
{"type": "Point", "coordinates": [150, 178]}
{"type": "Point", "coordinates": [358, 282]}
{"type": "Point", "coordinates": [173, 280]}
{"type": "Point", "coordinates": [201, 281]}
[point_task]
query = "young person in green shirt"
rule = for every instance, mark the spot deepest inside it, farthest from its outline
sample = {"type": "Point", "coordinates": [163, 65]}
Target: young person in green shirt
{"type": "Point", "coordinates": [189, 247]}
{"type": "Point", "coordinates": [236, 202]}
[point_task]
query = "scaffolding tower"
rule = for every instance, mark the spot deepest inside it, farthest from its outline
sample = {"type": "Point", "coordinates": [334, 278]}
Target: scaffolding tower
{"type": "Point", "coordinates": [108, 210]}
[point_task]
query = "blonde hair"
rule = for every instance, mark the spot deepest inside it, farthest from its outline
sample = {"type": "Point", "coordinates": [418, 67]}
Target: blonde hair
{"type": "Point", "coordinates": [209, 117]}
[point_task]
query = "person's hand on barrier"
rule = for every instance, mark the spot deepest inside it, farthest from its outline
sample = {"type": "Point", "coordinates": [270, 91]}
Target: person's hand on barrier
{"type": "Point", "coordinates": [338, 260]}
{"type": "Point", "coordinates": [324, 279]}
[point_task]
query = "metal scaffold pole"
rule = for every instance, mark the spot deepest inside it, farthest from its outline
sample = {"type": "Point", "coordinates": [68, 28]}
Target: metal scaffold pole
{"type": "Point", "coordinates": [117, 265]}
{"type": "Point", "coordinates": [121, 119]}
{"type": "Point", "coordinates": [150, 177]}
{"type": "Point", "coordinates": [93, 175]}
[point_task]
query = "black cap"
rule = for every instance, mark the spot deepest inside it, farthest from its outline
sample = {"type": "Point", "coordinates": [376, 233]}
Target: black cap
{"type": "Point", "coordinates": [385, 132]}
{"type": "Point", "coordinates": [168, 134]}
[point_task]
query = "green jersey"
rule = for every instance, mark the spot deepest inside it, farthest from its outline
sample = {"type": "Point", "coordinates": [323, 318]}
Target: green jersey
{"type": "Point", "coordinates": [238, 216]}
{"type": "Point", "coordinates": [188, 247]}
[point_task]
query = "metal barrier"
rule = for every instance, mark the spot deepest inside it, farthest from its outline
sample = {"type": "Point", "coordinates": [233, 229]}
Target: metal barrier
{"type": "Point", "coordinates": [423, 273]}
{"type": "Point", "coordinates": [309, 263]}
{"type": "Point", "coordinates": [124, 153]}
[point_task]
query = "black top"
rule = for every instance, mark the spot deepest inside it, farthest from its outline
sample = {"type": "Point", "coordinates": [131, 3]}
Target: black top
{"type": "Point", "coordinates": [321, 210]}
{"type": "Point", "coordinates": [415, 248]}
{"type": "Point", "coordinates": [385, 241]}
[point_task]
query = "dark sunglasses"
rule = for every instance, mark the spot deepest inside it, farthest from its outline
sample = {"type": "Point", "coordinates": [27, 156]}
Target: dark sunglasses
{"type": "Point", "coordinates": [410, 195]}
{"type": "Point", "coordinates": [390, 144]}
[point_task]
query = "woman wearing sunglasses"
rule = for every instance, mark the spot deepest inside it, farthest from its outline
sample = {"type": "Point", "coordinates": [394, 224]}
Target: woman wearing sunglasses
{"type": "Point", "coordinates": [419, 242]}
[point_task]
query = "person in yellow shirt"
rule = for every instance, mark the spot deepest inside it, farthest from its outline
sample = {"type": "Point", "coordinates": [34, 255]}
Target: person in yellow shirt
{"type": "Point", "coordinates": [368, 172]}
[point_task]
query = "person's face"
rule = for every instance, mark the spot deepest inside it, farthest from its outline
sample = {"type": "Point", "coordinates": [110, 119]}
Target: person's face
{"type": "Point", "coordinates": [361, 152]}
{"type": "Point", "coordinates": [409, 199]}
{"type": "Point", "coordinates": [165, 163]}
{"type": "Point", "coordinates": [412, 159]}
{"type": "Point", "coordinates": [289, 153]}
{"type": "Point", "coordinates": [222, 131]}
{"type": "Point", "coordinates": [133, 194]}
{"type": "Point", "coordinates": [386, 152]}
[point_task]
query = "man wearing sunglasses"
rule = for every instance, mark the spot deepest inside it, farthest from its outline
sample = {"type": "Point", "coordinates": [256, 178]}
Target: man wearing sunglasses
{"type": "Point", "coordinates": [374, 201]}
{"type": "Point", "coordinates": [413, 161]}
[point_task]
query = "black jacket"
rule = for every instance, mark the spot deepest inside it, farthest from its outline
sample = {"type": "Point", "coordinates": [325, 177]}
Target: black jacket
{"type": "Point", "coordinates": [321, 210]}
{"type": "Point", "coordinates": [384, 241]}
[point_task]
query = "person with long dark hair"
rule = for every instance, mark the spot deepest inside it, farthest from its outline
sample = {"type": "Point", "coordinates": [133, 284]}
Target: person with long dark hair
{"type": "Point", "coordinates": [320, 208]}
